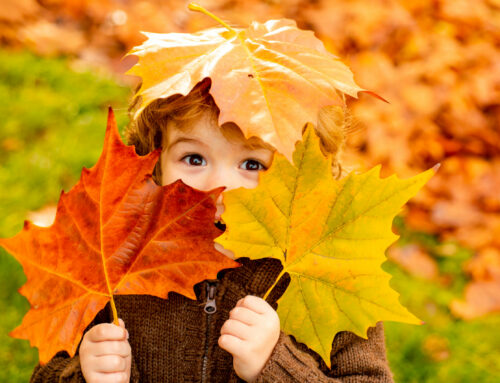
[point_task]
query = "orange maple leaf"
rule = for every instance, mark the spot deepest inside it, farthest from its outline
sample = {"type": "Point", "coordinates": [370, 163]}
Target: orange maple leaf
{"type": "Point", "coordinates": [116, 232]}
{"type": "Point", "coordinates": [270, 78]}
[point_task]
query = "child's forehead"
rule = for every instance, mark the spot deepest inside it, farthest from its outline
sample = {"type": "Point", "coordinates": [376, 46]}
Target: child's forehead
{"type": "Point", "coordinates": [205, 128]}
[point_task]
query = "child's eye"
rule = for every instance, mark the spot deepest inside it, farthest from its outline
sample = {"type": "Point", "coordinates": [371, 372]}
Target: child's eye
{"type": "Point", "coordinates": [252, 165]}
{"type": "Point", "coordinates": [194, 160]}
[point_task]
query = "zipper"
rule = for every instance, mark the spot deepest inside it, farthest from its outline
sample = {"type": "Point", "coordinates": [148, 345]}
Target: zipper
{"type": "Point", "coordinates": [210, 308]}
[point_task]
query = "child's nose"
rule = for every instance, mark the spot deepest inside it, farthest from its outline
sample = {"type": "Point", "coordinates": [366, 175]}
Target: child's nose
{"type": "Point", "coordinates": [219, 204]}
{"type": "Point", "coordinates": [224, 177]}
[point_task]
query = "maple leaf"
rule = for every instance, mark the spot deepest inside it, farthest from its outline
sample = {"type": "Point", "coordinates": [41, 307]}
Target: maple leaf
{"type": "Point", "coordinates": [330, 236]}
{"type": "Point", "coordinates": [116, 232]}
{"type": "Point", "coordinates": [278, 76]}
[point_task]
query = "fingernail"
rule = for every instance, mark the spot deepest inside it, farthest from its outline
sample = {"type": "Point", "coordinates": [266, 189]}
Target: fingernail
{"type": "Point", "coordinates": [128, 335]}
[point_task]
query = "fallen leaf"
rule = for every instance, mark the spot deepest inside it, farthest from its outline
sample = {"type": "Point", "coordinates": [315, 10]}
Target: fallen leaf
{"type": "Point", "coordinates": [116, 232]}
{"type": "Point", "coordinates": [330, 236]}
{"type": "Point", "coordinates": [481, 298]}
{"type": "Point", "coordinates": [45, 38]}
{"type": "Point", "coordinates": [485, 265]}
{"type": "Point", "coordinates": [414, 260]}
{"type": "Point", "coordinates": [15, 11]}
{"type": "Point", "coordinates": [437, 347]}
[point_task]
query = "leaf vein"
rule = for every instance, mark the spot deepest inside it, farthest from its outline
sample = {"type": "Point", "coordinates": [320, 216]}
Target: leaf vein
{"type": "Point", "coordinates": [171, 222]}
{"type": "Point", "coordinates": [308, 311]}
{"type": "Point", "coordinates": [78, 229]}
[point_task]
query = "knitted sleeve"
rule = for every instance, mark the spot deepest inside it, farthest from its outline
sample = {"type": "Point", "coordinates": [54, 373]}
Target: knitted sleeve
{"type": "Point", "coordinates": [353, 360]}
{"type": "Point", "coordinates": [61, 368]}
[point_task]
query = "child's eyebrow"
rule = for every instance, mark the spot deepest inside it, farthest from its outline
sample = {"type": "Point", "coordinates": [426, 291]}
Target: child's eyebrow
{"type": "Point", "coordinates": [178, 140]}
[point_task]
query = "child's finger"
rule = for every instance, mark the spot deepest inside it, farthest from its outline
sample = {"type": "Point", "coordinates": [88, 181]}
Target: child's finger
{"type": "Point", "coordinates": [114, 377]}
{"type": "Point", "coordinates": [244, 315]}
{"type": "Point", "coordinates": [110, 363]}
{"type": "Point", "coordinates": [105, 332]}
{"type": "Point", "coordinates": [231, 343]}
{"type": "Point", "coordinates": [112, 347]}
{"type": "Point", "coordinates": [254, 303]}
{"type": "Point", "coordinates": [235, 328]}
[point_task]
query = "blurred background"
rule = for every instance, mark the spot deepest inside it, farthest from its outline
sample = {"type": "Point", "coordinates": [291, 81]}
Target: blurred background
{"type": "Point", "coordinates": [436, 61]}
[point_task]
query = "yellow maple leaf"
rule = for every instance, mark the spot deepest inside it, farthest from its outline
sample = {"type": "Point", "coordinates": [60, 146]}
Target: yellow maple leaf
{"type": "Point", "coordinates": [270, 78]}
{"type": "Point", "coordinates": [330, 236]}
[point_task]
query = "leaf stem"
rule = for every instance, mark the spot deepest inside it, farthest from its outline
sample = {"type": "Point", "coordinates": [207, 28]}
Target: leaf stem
{"type": "Point", "coordinates": [274, 284]}
{"type": "Point", "coordinates": [113, 309]}
{"type": "Point", "coordinates": [114, 135]}
{"type": "Point", "coordinates": [199, 8]}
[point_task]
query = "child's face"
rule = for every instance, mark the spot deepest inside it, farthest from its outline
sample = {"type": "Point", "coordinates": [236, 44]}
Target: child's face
{"type": "Point", "coordinates": [203, 158]}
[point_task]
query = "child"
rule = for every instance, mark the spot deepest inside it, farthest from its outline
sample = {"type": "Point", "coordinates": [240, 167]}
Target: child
{"type": "Point", "coordinates": [229, 334]}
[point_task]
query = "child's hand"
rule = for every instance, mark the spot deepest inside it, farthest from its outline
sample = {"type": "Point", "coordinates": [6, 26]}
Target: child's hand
{"type": "Point", "coordinates": [105, 354]}
{"type": "Point", "coordinates": [250, 334]}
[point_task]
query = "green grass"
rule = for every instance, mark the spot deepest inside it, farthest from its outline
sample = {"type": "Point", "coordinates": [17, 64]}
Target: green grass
{"type": "Point", "coordinates": [444, 348]}
{"type": "Point", "coordinates": [53, 124]}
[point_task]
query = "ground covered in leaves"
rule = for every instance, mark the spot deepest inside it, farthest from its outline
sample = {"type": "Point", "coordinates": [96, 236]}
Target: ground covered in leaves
{"type": "Point", "coordinates": [54, 125]}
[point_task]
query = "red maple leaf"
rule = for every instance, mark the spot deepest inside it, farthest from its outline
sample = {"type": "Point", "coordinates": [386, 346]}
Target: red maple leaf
{"type": "Point", "coordinates": [116, 232]}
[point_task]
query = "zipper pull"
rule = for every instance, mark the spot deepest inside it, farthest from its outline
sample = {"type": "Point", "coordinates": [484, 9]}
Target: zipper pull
{"type": "Point", "coordinates": [210, 306]}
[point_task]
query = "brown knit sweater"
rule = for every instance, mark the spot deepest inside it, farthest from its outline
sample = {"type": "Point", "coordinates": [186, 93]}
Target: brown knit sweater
{"type": "Point", "coordinates": [175, 340]}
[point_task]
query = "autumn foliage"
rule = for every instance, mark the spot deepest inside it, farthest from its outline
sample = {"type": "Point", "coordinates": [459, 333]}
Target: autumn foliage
{"type": "Point", "coordinates": [436, 61]}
